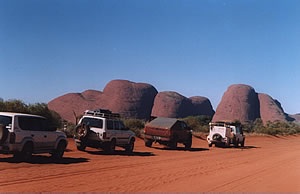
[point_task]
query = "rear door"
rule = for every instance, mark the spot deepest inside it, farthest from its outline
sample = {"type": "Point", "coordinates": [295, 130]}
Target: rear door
{"type": "Point", "coordinates": [31, 128]}
{"type": "Point", "coordinates": [182, 131]}
{"type": "Point", "coordinates": [123, 134]}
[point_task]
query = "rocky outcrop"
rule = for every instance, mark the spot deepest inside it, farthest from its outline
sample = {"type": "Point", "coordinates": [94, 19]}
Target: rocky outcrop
{"type": "Point", "coordinates": [202, 106]}
{"type": "Point", "coordinates": [239, 102]}
{"type": "Point", "coordinates": [70, 106]}
{"type": "Point", "coordinates": [134, 100]}
{"type": "Point", "coordinates": [295, 118]}
{"type": "Point", "coordinates": [270, 109]}
{"type": "Point", "coordinates": [171, 104]}
{"type": "Point", "coordinates": [174, 105]}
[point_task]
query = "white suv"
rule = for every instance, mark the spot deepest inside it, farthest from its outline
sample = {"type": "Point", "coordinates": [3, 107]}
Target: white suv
{"type": "Point", "coordinates": [225, 133]}
{"type": "Point", "coordinates": [24, 134]}
{"type": "Point", "coordinates": [103, 129]}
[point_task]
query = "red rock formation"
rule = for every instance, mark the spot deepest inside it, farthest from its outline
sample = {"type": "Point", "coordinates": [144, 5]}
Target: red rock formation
{"type": "Point", "coordinates": [171, 104]}
{"type": "Point", "coordinates": [71, 105]}
{"type": "Point", "coordinates": [239, 102]}
{"type": "Point", "coordinates": [295, 118]}
{"type": "Point", "coordinates": [202, 106]}
{"type": "Point", "coordinates": [174, 105]}
{"type": "Point", "coordinates": [270, 109]}
{"type": "Point", "coordinates": [134, 100]}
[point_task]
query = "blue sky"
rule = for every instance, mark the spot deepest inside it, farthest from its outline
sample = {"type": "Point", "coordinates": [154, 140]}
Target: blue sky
{"type": "Point", "coordinates": [194, 47]}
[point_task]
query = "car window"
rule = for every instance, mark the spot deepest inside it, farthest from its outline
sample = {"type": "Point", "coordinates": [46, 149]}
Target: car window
{"type": "Point", "coordinates": [32, 123]}
{"type": "Point", "coordinates": [5, 120]}
{"type": "Point", "coordinates": [122, 126]}
{"type": "Point", "coordinates": [183, 125]}
{"type": "Point", "coordinates": [98, 123]}
{"type": "Point", "coordinates": [109, 124]}
{"type": "Point", "coordinates": [116, 125]}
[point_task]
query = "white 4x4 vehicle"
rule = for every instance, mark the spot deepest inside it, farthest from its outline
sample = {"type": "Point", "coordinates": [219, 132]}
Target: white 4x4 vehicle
{"type": "Point", "coordinates": [103, 129]}
{"type": "Point", "coordinates": [225, 133]}
{"type": "Point", "coordinates": [23, 135]}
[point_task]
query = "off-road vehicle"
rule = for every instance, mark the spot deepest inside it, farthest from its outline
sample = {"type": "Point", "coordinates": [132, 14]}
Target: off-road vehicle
{"type": "Point", "coordinates": [225, 133]}
{"type": "Point", "coordinates": [103, 129]}
{"type": "Point", "coordinates": [24, 134]}
{"type": "Point", "coordinates": [167, 131]}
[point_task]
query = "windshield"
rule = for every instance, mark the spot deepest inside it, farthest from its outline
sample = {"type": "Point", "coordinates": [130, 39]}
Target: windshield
{"type": "Point", "coordinates": [97, 123]}
{"type": "Point", "coordinates": [5, 120]}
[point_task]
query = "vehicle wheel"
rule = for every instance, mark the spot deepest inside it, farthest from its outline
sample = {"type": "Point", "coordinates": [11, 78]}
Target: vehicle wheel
{"type": "Point", "coordinates": [243, 143]}
{"type": "Point", "coordinates": [236, 143]}
{"type": "Point", "coordinates": [148, 143]}
{"type": "Point", "coordinates": [173, 144]}
{"type": "Point", "coordinates": [82, 131]}
{"type": "Point", "coordinates": [80, 146]}
{"type": "Point", "coordinates": [129, 148]}
{"type": "Point", "coordinates": [60, 150]}
{"type": "Point", "coordinates": [227, 144]}
{"type": "Point", "coordinates": [111, 146]}
{"type": "Point", "coordinates": [188, 144]}
{"type": "Point", "coordinates": [3, 133]}
{"type": "Point", "coordinates": [210, 145]}
{"type": "Point", "coordinates": [25, 154]}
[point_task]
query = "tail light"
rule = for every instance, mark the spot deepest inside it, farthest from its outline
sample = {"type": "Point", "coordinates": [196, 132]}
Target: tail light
{"type": "Point", "coordinates": [12, 138]}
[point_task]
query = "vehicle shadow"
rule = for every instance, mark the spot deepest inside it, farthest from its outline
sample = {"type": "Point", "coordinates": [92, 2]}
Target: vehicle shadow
{"type": "Point", "coordinates": [46, 160]}
{"type": "Point", "coordinates": [120, 153]}
{"type": "Point", "coordinates": [182, 149]}
{"type": "Point", "coordinates": [240, 148]}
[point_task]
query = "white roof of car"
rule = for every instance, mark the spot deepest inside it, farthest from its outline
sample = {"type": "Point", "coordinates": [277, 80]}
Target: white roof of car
{"type": "Point", "coordinates": [20, 114]}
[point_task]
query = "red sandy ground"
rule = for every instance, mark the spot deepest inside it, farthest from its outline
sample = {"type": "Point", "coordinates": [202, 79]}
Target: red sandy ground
{"type": "Point", "coordinates": [266, 164]}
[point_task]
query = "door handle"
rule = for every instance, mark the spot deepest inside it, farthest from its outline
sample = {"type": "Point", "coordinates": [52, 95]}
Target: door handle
{"type": "Point", "coordinates": [45, 136]}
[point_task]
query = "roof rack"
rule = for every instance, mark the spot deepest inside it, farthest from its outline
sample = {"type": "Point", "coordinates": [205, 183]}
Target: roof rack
{"type": "Point", "coordinates": [102, 113]}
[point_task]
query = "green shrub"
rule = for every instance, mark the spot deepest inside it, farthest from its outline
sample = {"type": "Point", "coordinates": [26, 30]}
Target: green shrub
{"type": "Point", "coordinates": [198, 123]}
{"type": "Point", "coordinates": [275, 128]}
{"type": "Point", "coordinates": [69, 129]}
{"type": "Point", "coordinates": [136, 125]}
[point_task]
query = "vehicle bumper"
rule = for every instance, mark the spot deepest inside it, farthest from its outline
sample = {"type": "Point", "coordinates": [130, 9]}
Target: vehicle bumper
{"type": "Point", "coordinates": [157, 138]}
{"type": "Point", "coordinates": [212, 141]}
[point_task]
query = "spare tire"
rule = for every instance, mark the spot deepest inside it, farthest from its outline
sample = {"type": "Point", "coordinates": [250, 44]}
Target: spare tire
{"type": "Point", "coordinates": [3, 133]}
{"type": "Point", "coordinates": [82, 130]}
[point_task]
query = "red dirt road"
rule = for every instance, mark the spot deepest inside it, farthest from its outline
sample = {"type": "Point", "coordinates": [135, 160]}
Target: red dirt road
{"type": "Point", "coordinates": [266, 164]}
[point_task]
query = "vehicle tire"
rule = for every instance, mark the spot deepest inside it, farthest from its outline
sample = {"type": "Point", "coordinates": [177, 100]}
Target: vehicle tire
{"type": "Point", "coordinates": [81, 131]}
{"type": "Point", "coordinates": [173, 144]}
{"type": "Point", "coordinates": [80, 146]}
{"type": "Point", "coordinates": [210, 145]}
{"type": "Point", "coordinates": [110, 146]}
{"type": "Point", "coordinates": [243, 143]}
{"type": "Point", "coordinates": [25, 154]}
{"type": "Point", "coordinates": [236, 143]}
{"type": "Point", "coordinates": [188, 144]}
{"type": "Point", "coordinates": [3, 133]}
{"type": "Point", "coordinates": [129, 148]}
{"type": "Point", "coordinates": [148, 143]}
{"type": "Point", "coordinates": [60, 150]}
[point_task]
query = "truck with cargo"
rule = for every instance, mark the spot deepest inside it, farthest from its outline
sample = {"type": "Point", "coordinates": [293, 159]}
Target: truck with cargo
{"type": "Point", "coordinates": [168, 131]}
